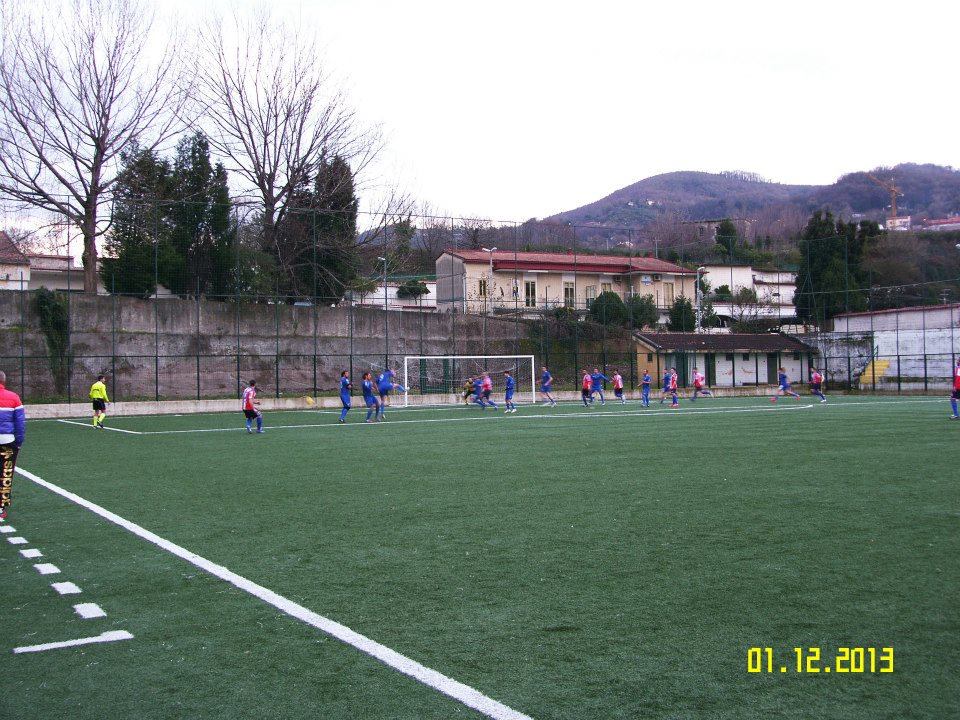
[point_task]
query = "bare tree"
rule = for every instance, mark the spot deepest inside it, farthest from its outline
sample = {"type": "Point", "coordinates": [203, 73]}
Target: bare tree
{"type": "Point", "coordinates": [76, 92]}
{"type": "Point", "coordinates": [274, 113]}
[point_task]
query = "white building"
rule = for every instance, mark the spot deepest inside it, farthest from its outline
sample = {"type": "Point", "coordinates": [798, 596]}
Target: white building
{"type": "Point", "coordinates": [388, 294]}
{"type": "Point", "coordinates": [774, 289]}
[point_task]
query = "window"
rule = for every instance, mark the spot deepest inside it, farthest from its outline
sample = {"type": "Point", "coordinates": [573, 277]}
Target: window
{"type": "Point", "coordinates": [482, 287]}
{"type": "Point", "coordinates": [530, 293]}
{"type": "Point", "coordinates": [746, 356]}
{"type": "Point", "coordinates": [591, 293]}
{"type": "Point", "coordinates": [729, 357]}
{"type": "Point", "coordinates": [796, 356]}
{"type": "Point", "coordinates": [606, 287]}
{"type": "Point", "coordinates": [668, 293]}
{"type": "Point", "coordinates": [569, 294]}
{"type": "Point", "coordinates": [649, 357]}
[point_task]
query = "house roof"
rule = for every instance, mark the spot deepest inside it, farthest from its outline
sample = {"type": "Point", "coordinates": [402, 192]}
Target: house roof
{"type": "Point", "coordinates": [9, 252]}
{"type": "Point", "coordinates": [723, 342]}
{"type": "Point", "coordinates": [568, 262]}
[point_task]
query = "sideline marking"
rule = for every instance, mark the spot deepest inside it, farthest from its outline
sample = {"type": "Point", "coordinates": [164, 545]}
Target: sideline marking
{"type": "Point", "coordinates": [105, 427]}
{"type": "Point", "coordinates": [66, 588]}
{"type": "Point", "coordinates": [17, 540]}
{"type": "Point", "coordinates": [109, 636]}
{"type": "Point", "coordinates": [89, 610]}
{"type": "Point", "coordinates": [46, 569]}
{"type": "Point", "coordinates": [31, 553]}
{"type": "Point", "coordinates": [431, 678]}
{"type": "Point", "coordinates": [7, 529]}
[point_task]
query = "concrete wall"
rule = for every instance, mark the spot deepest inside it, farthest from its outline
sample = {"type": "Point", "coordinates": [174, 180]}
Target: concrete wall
{"type": "Point", "coordinates": [182, 348]}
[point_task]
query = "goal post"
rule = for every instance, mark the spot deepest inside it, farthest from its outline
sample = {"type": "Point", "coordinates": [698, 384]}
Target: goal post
{"type": "Point", "coordinates": [439, 379]}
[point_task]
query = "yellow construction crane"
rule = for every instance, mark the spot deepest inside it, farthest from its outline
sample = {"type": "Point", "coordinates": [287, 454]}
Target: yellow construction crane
{"type": "Point", "coordinates": [894, 191]}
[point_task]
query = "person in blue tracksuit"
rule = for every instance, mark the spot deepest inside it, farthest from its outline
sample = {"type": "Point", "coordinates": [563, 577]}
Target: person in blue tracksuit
{"type": "Point", "coordinates": [645, 385]}
{"type": "Point", "coordinates": [510, 385]}
{"type": "Point", "coordinates": [345, 387]}
{"type": "Point", "coordinates": [597, 379]}
{"type": "Point", "coordinates": [665, 390]}
{"type": "Point", "coordinates": [478, 392]}
{"type": "Point", "coordinates": [370, 398]}
{"type": "Point", "coordinates": [384, 388]}
{"type": "Point", "coordinates": [546, 386]}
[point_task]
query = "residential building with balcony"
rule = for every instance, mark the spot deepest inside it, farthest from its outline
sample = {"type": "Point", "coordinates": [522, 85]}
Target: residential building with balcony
{"type": "Point", "coordinates": [529, 283]}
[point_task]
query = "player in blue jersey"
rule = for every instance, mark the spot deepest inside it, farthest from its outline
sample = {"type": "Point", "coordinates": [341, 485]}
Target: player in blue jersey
{"type": "Point", "coordinates": [546, 386]}
{"type": "Point", "coordinates": [510, 385]}
{"type": "Point", "coordinates": [665, 389]}
{"type": "Point", "coordinates": [384, 388]}
{"type": "Point", "coordinates": [597, 379]}
{"type": "Point", "coordinates": [478, 392]}
{"type": "Point", "coordinates": [370, 398]}
{"type": "Point", "coordinates": [645, 383]}
{"type": "Point", "coordinates": [345, 387]}
{"type": "Point", "coordinates": [783, 386]}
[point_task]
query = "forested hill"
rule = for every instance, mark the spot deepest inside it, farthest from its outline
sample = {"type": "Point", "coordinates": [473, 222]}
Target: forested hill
{"type": "Point", "coordinates": [927, 191]}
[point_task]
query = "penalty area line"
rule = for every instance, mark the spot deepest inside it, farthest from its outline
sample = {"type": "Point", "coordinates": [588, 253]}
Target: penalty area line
{"type": "Point", "coordinates": [109, 636]}
{"type": "Point", "coordinates": [431, 678]}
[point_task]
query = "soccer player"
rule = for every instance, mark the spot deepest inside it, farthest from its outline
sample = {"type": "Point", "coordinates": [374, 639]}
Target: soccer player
{"type": "Point", "coordinates": [345, 387]}
{"type": "Point", "coordinates": [384, 387]}
{"type": "Point", "coordinates": [478, 392]}
{"type": "Point", "coordinates": [674, 396]}
{"type": "Point", "coordinates": [98, 394]}
{"type": "Point", "coordinates": [665, 390]}
{"type": "Point", "coordinates": [486, 387]}
{"type": "Point", "coordinates": [956, 391]}
{"type": "Point", "coordinates": [783, 386]}
{"type": "Point", "coordinates": [467, 390]}
{"type": "Point", "coordinates": [699, 385]}
{"type": "Point", "coordinates": [645, 383]}
{"type": "Point", "coordinates": [13, 428]}
{"type": "Point", "coordinates": [249, 404]}
{"type": "Point", "coordinates": [597, 379]}
{"type": "Point", "coordinates": [369, 398]}
{"type": "Point", "coordinates": [546, 386]}
{"type": "Point", "coordinates": [585, 386]}
{"type": "Point", "coordinates": [510, 385]}
{"type": "Point", "coordinates": [816, 385]}
{"type": "Point", "coordinates": [618, 386]}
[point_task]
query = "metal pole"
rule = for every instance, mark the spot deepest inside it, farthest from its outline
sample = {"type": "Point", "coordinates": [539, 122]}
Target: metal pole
{"type": "Point", "coordinates": [69, 357]}
{"type": "Point", "coordinates": [276, 349]}
{"type": "Point", "coordinates": [23, 325]}
{"type": "Point", "coordinates": [198, 337]}
{"type": "Point", "coordinates": [156, 308]}
{"type": "Point", "coordinates": [113, 336]}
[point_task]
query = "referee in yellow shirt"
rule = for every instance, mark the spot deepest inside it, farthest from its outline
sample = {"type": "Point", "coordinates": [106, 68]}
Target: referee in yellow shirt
{"type": "Point", "coordinates": [98, 394]}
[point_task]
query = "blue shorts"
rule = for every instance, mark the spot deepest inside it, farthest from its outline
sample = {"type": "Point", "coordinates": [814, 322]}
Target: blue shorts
{"type": "Point", "coordinates": [545, 388]}
{"type": "Point", "coordinates": [370, 401]}
{"type": "Point", "coordinates": [345, 399]}
{"type": "Point", "coordinates": [785, 387]}
{"type": "Point", "coordinates": [618, 392]}
{"type": "Point", "coordinates": [384, 391]}
{"type": "Point", "coordinates": [509, 396]}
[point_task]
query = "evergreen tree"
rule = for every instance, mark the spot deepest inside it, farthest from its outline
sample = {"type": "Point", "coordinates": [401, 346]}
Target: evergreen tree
{"type": "Point", "coordinates": [682, 317]}
{"type": "Point", "coordinates": [138, 243]}
{"type": "Point", "coordinates": [608, 309]}
{"type": "Point", "coordinates": [643, 311]}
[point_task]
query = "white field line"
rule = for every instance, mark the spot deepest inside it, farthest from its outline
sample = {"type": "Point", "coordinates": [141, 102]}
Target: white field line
{"type": "Point", "coordinates": [431, 678]}
{"type": "Point", "coordinates": [46, 568]}
{"type": "Point", "coordinates": [89, 610]}
{"type": "Point", "coordinates": [31, 553]}
{"type": "Point", "coordinates": [66, 588]}
{"type": "Point", "coordinates": [105, 427]}
{"type": "Point", "coordinates": [783, 404]}
{"type": "Point", "coordinates": [491, 417]}
{"type": "Point", "coordinates": [7, 529]}
{"type": "Point", "coordinates": [109, 636]}
{"type": "Point", "coordinates": [17, 540]}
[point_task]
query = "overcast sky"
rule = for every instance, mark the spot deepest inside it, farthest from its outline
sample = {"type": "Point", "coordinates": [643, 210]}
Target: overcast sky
{"type": "Point", "coordinates": [521, 109]}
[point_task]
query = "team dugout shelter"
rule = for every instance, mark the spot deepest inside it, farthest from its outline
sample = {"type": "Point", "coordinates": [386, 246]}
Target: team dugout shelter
{"type": "Point", "coordinates": [726, 359]}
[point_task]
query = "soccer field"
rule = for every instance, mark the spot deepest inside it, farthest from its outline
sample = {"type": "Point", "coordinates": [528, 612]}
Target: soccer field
{"type": "Point", "coordinates": [560, 562]}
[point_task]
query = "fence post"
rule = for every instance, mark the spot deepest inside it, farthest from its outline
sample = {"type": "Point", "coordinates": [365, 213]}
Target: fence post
{"type": "Point", "coordinates": [113, 337]}
{"type": "Point", "coordinates": [198, 337]}
{"type": "Point", "coordinates": [23, 325]}
{"type": "Point", "coordinates": [923, 321]}
{"type": "Point", "coordinates": [276, 347]}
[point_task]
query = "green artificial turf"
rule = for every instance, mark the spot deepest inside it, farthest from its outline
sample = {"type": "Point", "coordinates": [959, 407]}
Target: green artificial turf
{"type": "Point", "coordinates": [569, 562]}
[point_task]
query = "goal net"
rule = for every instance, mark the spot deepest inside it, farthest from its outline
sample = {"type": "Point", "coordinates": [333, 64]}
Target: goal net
{"type": "Point", "coordinates": [440, 379]}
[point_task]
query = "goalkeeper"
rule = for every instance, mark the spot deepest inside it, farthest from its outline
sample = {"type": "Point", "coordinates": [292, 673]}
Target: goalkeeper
{"type": "Point", "coordinates": [467, 390]}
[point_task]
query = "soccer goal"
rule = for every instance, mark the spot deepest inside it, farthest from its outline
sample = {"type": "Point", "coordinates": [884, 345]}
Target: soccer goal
{"type": "Point", "coordinates": [441, 379]}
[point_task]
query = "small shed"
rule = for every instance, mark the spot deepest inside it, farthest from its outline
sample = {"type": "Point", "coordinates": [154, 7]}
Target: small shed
{"type": "Point", "coordinates": [726, 359]}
